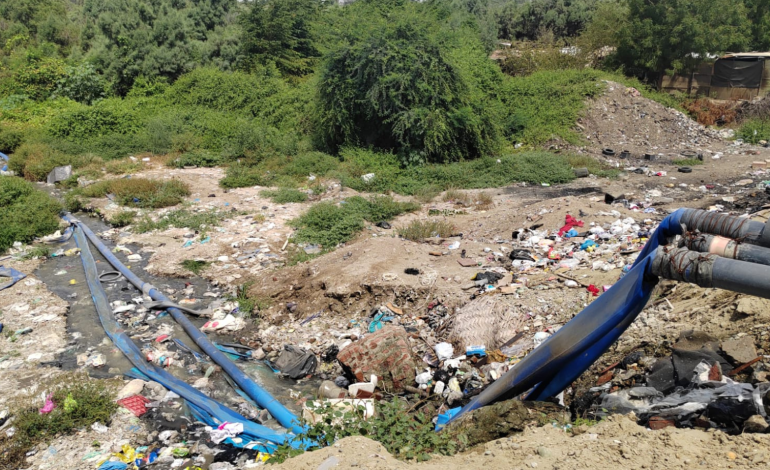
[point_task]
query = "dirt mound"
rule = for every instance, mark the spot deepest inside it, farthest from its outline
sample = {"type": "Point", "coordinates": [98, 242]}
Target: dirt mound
{"type": "Point", "coordinates": [621, 119]}
{"type": "Point", "coordinates": [617, 440]}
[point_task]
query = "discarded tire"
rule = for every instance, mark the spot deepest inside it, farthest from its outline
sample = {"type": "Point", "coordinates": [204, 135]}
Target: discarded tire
{"type": "Point", "coordinates": [624, 154]}
{"type": "Point", "coordinates": [685, 169]}
{"type": "Point", "coordinates": [608, 152]}
{"type": "Point", "coordinates": [689, 154]}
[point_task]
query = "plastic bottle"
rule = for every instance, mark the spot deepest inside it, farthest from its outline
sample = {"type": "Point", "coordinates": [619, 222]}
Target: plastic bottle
{"type": "Point", "coordinates": [329, 390]}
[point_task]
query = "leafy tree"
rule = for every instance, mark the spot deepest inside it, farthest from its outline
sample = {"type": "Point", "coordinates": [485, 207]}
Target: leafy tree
{"type": "Point", "coordinates": [528, 20]}
{"type": "Point", "coordinates": [35, 75]}
{"type": "Point", "coordinates": [408, 84]}
{"type": "Point", "coordinates": [34, 22]}
{"type": "Point", "coordinates": [676, 35]}
{"type": "Point", "coordinates": [759, 13]}
{"type": "Point", "coordinates": [483, 12]}
{"type": "Point", "coordinates": [604, 29]}
{"type": "Point", "coordinates": [280, 32]}
{"type": "Point", "coordinates": [81, 83]}
{"type": "Point", "coordinates": [126, 39]}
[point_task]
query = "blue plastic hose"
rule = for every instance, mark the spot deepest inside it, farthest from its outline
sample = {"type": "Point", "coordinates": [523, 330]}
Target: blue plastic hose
{"type": "Point", "coordinates": [257, 393]}
{"type": "Point", "coordinates": [209, 411]}
{"type": "Point", "coordinates": [563, 357]}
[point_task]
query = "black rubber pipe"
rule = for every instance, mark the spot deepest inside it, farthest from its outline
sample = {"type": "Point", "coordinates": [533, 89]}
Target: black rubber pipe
{"type": "Point", "coordinates": [727, 248]}
{"type": "Point", "coordinates": [740, 229]}
{"type": "Point", "coordinates": [712, 271]}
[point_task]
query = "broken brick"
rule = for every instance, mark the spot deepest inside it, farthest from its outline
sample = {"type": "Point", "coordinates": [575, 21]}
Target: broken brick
{"type": "Point", "coordinates": [657, 422]}
{"type": "Point", "coordinates": [386, 354]}
{"type": "Point", "coordinates": [604, 378]}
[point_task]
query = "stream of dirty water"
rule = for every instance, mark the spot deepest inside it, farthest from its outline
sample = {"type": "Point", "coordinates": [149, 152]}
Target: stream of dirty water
{"type": "Point", "coordinates": [64, 276]}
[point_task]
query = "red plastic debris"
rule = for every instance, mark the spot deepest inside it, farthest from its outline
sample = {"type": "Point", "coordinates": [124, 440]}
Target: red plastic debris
{"type": "Point", "coordinates": [135, 404]}
{"type": "Point", "coordinates": [569, 223]}
{"type": "Point", "coordinates": [593, 290]}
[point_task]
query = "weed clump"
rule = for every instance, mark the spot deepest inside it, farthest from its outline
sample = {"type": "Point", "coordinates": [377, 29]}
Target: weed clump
{"type": "Point", "coordinates": [407, 436]}
{"type": "Point", "coordinates": [328, 224]}
{"type": "Point", "coordinates": [419, 230]}
{"type": "Point", "coordinates": [195, 266]}
{"type": "Point", "coordinates": [37, 252]}
{"type": "Point", "coordinates": [139, 192]}
{"type": "Point", "coordinates": [184, 218]}
{"type": "Point", "coordinates": [456, 196]}
{"type": "Point", "coordinates": [593, 165]}
{"type": "Point", "coordinates": [754, 130]}
{"type": "Point", "coordinates": [284, 195]}
{"type": "Point", "coordinates": [426, 194]}
{"type": "Point", "coordinates": [80, 402]}
{"type": "Point", "coordinates": [25, 213]}
{"type": "Point", "coordinates": [688, 162]}
{"type": "Point", "coordinates": [199, 158]}
{"type": "Point", "coordinates": [34, 161]}
{"type": "Point", "coordinates": [484, 201]}
{"type": "Point", "coordinates": [248, 305]}
{"type": "Point", "coordinates": [122, 218]}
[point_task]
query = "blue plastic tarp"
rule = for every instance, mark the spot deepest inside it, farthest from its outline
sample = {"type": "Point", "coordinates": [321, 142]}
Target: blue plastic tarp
{"type": "Point", "coordinates": [11, 273]}
{"type": "Point", "coordinates": [4, 158]}
{"type": "Point", "coordinates": [555, 364]}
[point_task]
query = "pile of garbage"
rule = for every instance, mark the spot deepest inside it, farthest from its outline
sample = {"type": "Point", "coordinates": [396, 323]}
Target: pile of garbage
{"type": "Point", "coordinates": [696, 386]}
{"type": "Point", "coordinates": [178, 441]}
{"type": "Point", "coordinates": [450, 356]}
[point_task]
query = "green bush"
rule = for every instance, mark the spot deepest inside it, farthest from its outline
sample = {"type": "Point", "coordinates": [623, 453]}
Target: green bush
{"type": "Point", "coordinates": [25, 213]}
{"type": "Point", "coordinates": [754, 130]}
{"type": "Point", "coordinates": [328, 224]}
{"type": "Point", "coordinates": [545, 105]}
{"type": "Point", "coordinates": [122, 218]}
{"type": "Point", "coordinates": [81, 83]}
{"type": "Point", "coordinates": [34, 161]}
{"type": "Point", "coordinates": [389, 175]}
{"type": "Point", "coordinates": [139, 192]}
{"type": "Point", "coordinates": [243, 176]}
{"type": "Point", "coordinates": [199, 158]}
{"type": "Point", "coordinates": [255, 142]}
{"type": "Point", "coordinates": [284, 195]}
{"type": "Point", "coordinates": [411, 84]}
{"type": "Point", "coordinates": [38, 75]}
{"type": "Point", "coordinates": [10, 140]}
{"type": "Point", "coordinates": [225, 91]}
{"type": "Point", "coordinates": [106, 117]}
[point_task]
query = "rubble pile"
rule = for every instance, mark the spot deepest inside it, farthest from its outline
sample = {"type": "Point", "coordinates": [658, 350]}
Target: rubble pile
{"type": "Point", "coordinates": [622, 119]}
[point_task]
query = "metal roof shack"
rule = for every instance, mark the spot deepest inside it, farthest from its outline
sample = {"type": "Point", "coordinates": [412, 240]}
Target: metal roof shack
{"type": "Point", "coordinates": [733, 76]}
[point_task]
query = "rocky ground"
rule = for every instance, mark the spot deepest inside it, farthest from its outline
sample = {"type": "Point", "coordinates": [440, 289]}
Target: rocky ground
{"type": "Point", "coordinates": [326, 303]}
